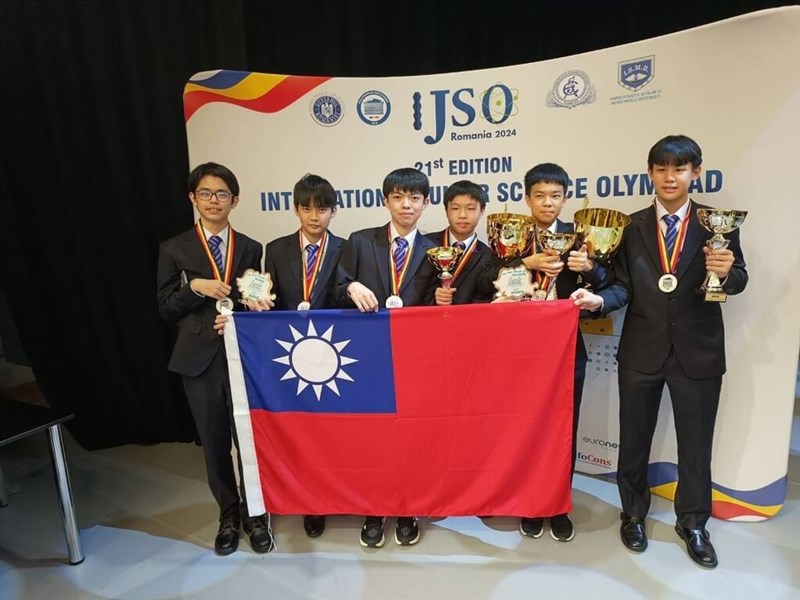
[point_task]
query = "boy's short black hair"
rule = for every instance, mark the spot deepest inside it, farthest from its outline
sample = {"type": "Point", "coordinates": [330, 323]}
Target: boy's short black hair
{"type": "Point", "coordinates": [406, 179]}
{"type": "Point", "coordinates": [215, 170]}
{"type": "Point", "coordinates": [313, 189]}
{"type": "Point", "coordinates": [675, 150]}
{"type": "Point", "coordinates": [465, 188]}
{"type": "Point", "coordinates": [546, 173]}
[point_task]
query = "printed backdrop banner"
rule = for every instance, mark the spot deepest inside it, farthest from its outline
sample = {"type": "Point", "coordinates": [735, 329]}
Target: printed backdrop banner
{"type": "Point", "coordinates": [420, 411]}
{"type": "Point", "coordinates": [734, 86]}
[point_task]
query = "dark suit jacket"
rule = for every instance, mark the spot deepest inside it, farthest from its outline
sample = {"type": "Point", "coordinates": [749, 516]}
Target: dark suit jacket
{"type": "Point", "coordinates": [656, 321]}
{"type": "Point", "coordinates": [283, 260]}
{"type": "Point", "coordinates": [474, 283]}
{"type": "Point", "coordinates": [365, 259]}
{"type": "Point", "coordinates": [197, 342]}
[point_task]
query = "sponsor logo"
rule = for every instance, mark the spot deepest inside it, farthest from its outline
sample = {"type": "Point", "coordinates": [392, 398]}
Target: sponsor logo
{"type": "Point", "coordinates": [327, 109]}
{"type": "Point", "coordinates": [461, 108]}
{"type": "Point", "coordinates": [600, 442]}
{"type": "Point", "coordinates": [571, 89]}
{"type": "Point", "coordinates": [637, 73]}
{"type": "Point", "coordinates": [593, 460]}
{"type": "Point", "coordinates": [373, 107]}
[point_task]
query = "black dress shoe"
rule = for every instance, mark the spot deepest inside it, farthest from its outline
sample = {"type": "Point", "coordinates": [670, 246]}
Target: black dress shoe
{"type": "Point", "coordinates": [314, 525]}
{"type": "Point", "coordinates": [260, 533]}
{"type": "Point", "coordinates": [227, 540]}
{"type": "Point", "coordinates": [698, 545]}
{"type": "Point", "coordinates": [632, 533]}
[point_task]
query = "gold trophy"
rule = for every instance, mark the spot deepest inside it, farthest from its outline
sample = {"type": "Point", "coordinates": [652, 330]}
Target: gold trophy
{"type": "Point", "coordinates": [601, 229]}
{"type": "Point", "coordinates": [511, 236]}
{"type": "Point", "coordinates": [444, 258]}
{"type": "Point", "coordinates": [718, 221]}
{"type": "Point", "coordinates": [554, 244]}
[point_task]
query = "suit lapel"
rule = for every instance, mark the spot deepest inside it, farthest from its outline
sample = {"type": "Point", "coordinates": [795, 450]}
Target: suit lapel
{"type": "Point", "coordinates": [474, 259]}
{"type": "Point", "coordinates": [421, 246]}
{"type": "Point", "coordinates": [326, 268]}
{"type": "Point", "coordinates": [691, 244]}
{"type": "Point", "coordinates": [647, 229]}
{"type": "Point", "coordinates": [294, 263]}
{"type": "Point", "coordinates": [381, 250]}
{"type": "Point", "coordinates": [198, 254]}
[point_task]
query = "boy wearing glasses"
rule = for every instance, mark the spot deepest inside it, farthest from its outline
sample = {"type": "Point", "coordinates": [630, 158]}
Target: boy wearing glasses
{"type": "Point", "coordinates": [197, 270]}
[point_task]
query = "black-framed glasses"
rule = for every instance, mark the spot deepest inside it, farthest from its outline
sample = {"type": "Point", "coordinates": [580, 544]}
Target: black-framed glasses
{"type": "Point", "coordinates": [205, 195]}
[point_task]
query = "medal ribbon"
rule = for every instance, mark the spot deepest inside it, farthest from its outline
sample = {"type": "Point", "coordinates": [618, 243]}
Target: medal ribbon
{"type": "Point", "coordinates": [670, 263]}
{"type": "Point", "coordinates": [464, 258]}
{"type": "Point", "coordinates": [229, 250]}
{"type": "Point", "coordinates": [309, 279]}
{"type": "Point", "coordinates": [397, 278]}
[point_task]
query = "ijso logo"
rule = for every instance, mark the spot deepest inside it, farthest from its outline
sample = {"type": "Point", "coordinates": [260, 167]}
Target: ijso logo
{"type": "Point", "coordinates": [461, 107]}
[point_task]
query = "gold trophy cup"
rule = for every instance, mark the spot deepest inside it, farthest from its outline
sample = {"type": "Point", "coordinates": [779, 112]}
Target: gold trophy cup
{"type": "Point", "coordinates": [510, 236]}
{"type": "Point", "coordinates": [554, 244]}
{"type": "Point", "coordinates": [601, 229]}
{"type": "Point", "coordinates": [444, 258]}
{"type": "Point", "coordinates": [718, 222]}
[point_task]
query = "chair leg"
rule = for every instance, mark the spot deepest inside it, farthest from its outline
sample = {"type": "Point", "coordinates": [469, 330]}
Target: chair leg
{"type": "Point", "coordinates": [61, 473]}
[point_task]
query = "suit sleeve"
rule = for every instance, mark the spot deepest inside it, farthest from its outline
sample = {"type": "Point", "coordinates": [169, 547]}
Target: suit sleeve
{"type": "Point", "coordinates": [737, 277]}
{"type": "Point", "coordinates": [346, 273]}
{"type": "Point", "coordinates": [619, 290]}
{"type": "Point", "coordinates": [175, 299]}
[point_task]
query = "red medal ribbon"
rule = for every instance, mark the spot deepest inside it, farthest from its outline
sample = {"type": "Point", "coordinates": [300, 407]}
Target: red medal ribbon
{"type": "Point", "coordinates": [229, 250]}
{"type": "Point", "coordinates": [462, 261]}
{"type": "Point", "coordinates": [670, 263]}
{"type": "Point", "coordinates": [309, 279]}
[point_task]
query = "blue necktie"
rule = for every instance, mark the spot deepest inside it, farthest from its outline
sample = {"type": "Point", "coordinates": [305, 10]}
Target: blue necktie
{"type": "Point", "coordinates": [460, 245]}
{"type": "Point", "coordinates": [672, 232]}
{"type": "Point", "coordinates": [213, 242]}
{"type": "Point", "coordinates": [311, 258]}
{"type": "Point", "coordinates": [400, 253]}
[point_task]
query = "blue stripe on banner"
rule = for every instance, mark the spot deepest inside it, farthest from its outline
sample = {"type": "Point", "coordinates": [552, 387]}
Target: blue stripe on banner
{"type": "Point", "coordinates": [322, 361]}
{"type": "Point", "coordinates": [222, 80]}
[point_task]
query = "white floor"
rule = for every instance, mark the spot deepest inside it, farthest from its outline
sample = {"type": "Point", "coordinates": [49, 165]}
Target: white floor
{"type": "Point", "coordinates": [148, 521]}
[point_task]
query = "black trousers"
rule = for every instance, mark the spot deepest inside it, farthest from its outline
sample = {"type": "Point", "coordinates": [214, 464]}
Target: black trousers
{"type": "Point", "coordinates": [209, 396]}
{"type": "Point", "coordinates": [694, 408]}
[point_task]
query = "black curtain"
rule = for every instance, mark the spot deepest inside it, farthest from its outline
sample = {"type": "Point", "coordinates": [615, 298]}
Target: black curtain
{"type": "Point", "coordinates": [93, 176]}
{"type": "Point", "coordinates": [94, 158]}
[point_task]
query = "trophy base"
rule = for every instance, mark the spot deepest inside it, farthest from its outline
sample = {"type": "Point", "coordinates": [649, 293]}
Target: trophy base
{"type": "Point", "coordinates": [715, 296]}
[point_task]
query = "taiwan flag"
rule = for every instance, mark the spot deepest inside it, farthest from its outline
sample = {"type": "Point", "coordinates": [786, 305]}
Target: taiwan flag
{"type": "Point", "coordinates": [428, 411]}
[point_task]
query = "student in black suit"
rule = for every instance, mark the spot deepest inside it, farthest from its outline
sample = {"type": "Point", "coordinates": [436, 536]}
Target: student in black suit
{"type": "Point", "coordinates": [196, 270]}
{"type": "Point", "coordinates": [671, 335]}
{"type": "Point", "coordinates": [303, 266]}
{"type": "Point", "coordinates": [387, 266]}
{"type": "Point", "coordinates": [464, 203]}
{"type": "Point", "coordinates": [546, 187]}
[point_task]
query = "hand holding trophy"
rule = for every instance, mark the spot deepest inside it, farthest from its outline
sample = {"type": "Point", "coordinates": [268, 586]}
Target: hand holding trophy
{"type": "Point", "coordinates": [554, 244]}
{"type": "Point", "coordinates": [511, 236]}
{"type": "Point", "coordinates": [718, 222]}
{"type": "Point", "coordinates": [444, 258]}
{"type": "Point", "coordinates": [255, 287]}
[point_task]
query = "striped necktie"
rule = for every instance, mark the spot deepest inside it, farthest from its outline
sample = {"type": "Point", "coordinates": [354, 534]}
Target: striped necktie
{"type": "Point", "coordinates": [400, 254]}
{"type": "Point", "coordinates": [460, 245]}
{"type": "Point", "coordinates": [672, 232]}
{"type": "Point", "coordinates": [311, 258]}
{"type": "Point", "coordinates": [213, 242]}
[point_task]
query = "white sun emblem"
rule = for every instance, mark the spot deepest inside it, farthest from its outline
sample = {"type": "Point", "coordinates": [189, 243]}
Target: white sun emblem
{"type": "Point", "coordinates": [315, 360]}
